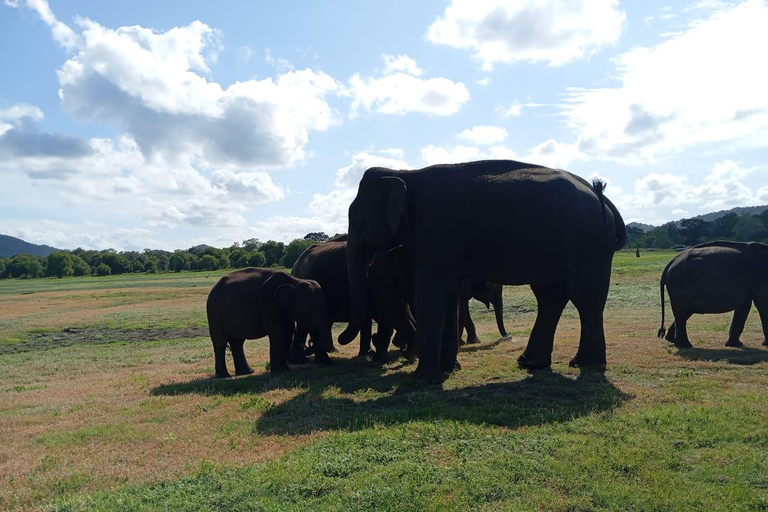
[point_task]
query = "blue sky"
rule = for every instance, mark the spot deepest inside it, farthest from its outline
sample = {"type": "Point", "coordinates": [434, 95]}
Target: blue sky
{"type": "Point", "coordinates": [168, 124]}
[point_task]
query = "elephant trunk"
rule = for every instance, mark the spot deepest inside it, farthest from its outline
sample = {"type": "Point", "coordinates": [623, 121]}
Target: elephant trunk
{"type": "Point", "coordinates": [358, 258]}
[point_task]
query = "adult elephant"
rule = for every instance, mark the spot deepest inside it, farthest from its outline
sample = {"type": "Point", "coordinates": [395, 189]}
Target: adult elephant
{"type": "Point", "coordinates": [326, 263]}
{"type": "Point", "coordinates": [255, 302]}
{"type": "Point", "coordinates": [507, 222]}
{"type": "Point", "coordinates": [487, 293]}
{"type": "Point", "coordinates": [716, 277]}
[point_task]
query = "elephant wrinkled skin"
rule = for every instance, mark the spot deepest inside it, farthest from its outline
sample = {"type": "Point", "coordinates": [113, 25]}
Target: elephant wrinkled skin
{"type": "Point", "coordinates": [509, 223]}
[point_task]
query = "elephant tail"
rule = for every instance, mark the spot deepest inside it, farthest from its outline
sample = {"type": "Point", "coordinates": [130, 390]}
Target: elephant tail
{"type": "Point", "coordinates": [662, 282]}
{"type": "Point", "coordinates": [617, 234]}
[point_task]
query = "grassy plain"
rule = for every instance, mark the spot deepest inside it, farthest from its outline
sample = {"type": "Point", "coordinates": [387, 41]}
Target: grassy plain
{"type": "Point", "coordinates": [106, 404]}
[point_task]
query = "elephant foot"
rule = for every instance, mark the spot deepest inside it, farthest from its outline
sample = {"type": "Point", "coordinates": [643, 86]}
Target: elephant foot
{"type": "Point", "coordinates": [452, 367]}
{"type": "Point", "coordinates": [734, 343]}
{"type": "Point", "coordinates": [309, 350]}
{"type": "Point", "coordinates": [222, 375]}
{"type": "Point", "coordinates": [683, 344]}
{"type": "Point", "coordinates": [410, 353]}
{"type": "Point", "coordinates": [298, 359]}
{"type": "Point", "coordinates": [596, 366]}
{"type": "Point", "coordinates": [398, 342]}
{"type": "Point", "coordinates": [472, 340]}
{"type": "Point", "coordinates": [322, 358]}
{"type": "Point", "coordinates": [503, 334]}
{"type": "Point", "coordinates": [765, 342]}
{"type": "Point", "coordinates": [362, 354]}
{"type": "Point", "coordinates": [278, 368]}
{"type": "Point", "coordinates": [429, 375]}
{"type": "Point", "coordinates": [381, 357]}
{"type": "Point", "coordinates": [244, 371]}
{"type": "Point", "coordinates": [528, 363]}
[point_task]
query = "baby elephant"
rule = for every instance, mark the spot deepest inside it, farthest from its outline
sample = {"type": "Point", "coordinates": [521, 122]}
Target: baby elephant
{"type": "Point", "coordinates": [716, 277]}
{"type": "Point", "coordinates": [256, 302]}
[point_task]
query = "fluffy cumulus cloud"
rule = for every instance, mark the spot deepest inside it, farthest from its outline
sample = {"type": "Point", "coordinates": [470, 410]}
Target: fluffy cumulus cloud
{"type": "Point", "coordinates": [483, 135]}
{"type": "Point", "coordinates": [433, 155]}
{"type": "Point", "coordinates": [554, 32]}
{"type": "Point", "coordinates": [701, 85]}
{"type": "Point", "coordinates": [722, 187]}
{"type": "Point", "coordinates": [328, 212]}
{"type": "Point", "coordinates": [401, 90]}
{"type": "Point", "coordinates": [154, 85]}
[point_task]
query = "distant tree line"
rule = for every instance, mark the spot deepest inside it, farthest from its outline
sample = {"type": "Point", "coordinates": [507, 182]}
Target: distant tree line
{"type": "Point", "coordinates": [81, 262]}
{"type": "Point", "coordinates": [742, 228]}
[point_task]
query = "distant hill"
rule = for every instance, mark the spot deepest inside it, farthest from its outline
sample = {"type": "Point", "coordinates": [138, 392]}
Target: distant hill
{"type": "Point", "coordinates": [739, 210]}
{"type": "Point", "coordinates": [642, 227]}
{"type": "Point", "coordinates": [11, 246]}
{"type": "Point", "coordinates": [708, 217]}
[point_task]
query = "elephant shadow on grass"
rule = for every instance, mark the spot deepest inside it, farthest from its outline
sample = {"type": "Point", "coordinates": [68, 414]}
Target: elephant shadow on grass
{"type": "Point", "coordinates": [351, 396]}
{"type": "Point", "coordinates": [746, 356]}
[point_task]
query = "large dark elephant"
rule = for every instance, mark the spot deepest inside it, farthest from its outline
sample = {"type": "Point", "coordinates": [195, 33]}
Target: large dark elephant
{"type": "Point", "coordinates": [487, 293]}
{"type": "Point", "coordinates": [255, 302]}
{"type": "Point", "coordinates": [326, 263]}
{"type": "Point", "coordinates": [716, 277]}
{"type": "Point", "coordinates": [509, 223]}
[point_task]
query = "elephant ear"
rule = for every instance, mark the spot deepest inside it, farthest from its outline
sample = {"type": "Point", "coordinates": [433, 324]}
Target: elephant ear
{"type": "Point", "coordinates": [396, 203]}
{"type": "Point", "coordinates": [285, 296]}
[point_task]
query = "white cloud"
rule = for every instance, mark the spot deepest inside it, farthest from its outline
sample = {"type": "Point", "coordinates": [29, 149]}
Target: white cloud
{"type": "Point", "coordinates": [552, 153]}
{"type": "Point", "coordinates": [551, 31]}
{"type": "Point", "coordinates": [401, 93]}
{"type": "Point", "coordinates": [61, 32]}
{"type": "Point", "coordinates": [512, 110]}
{"type": "Point", "coordinates": [256, 187]}
{"type": "Point", "coordinates": [484, 81]}
{"type": "Point", "coordinates": [433, 155]}
{"type": "Point", "coordinates": [401, 63]}
{"type": "Point", "coordinates": [699, 86]}
{"type": "Point", "coordinates": [484, 135]}
{"type": "Point", "coordinates": [20, 111]}
{"type": "Point", "coordinates": [727, 170]}
{"type": "Point", "coordinates": [153, 84]}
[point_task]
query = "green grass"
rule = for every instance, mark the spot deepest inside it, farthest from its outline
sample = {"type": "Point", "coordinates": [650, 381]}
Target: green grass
{"type": "Point", "coordinates": [136, 423]}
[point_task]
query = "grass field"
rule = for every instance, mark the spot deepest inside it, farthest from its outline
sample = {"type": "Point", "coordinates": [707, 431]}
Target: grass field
{"type": "Point", "coordinates": [106, 403]}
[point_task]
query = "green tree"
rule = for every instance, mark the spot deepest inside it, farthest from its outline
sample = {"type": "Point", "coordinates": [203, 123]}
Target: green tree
{"type": "Point", "coordinates": [273, 251]}
{"type": "Point", "coordinates": [722, 227]}
{"type": "Point", "coordinates": [102, 269]}
{"type": "Point", "coordinates": [239, 258]}
{"type": "Point", "coordinates": [79, 266]}
{"type": "Point", "coordinates": [661, 238]}
{"type": "Point", "coordinates": [178, 261]}
{"type": "Point", "coordinates": [150, 267]}
{"type": "Point", "coordinates": [117, 263]}
{"type": "Point", "coordinates": [2, 267]}
{"type": "Point", "coordinates": [316, 237]}
{"type": "Point", "coordinates": [694, 231]}
{"type": "Point", "coordinates": [748, 228]}
{"type": "Point", "coordinates": [252, 244]}
{"type": "Point", "coordinates": [59, 264]}
{"type": "Point", "coordinates": [257, 259]}
{"type": "Point", "coordinates": [294, 250]}
{"type": "Point", "coordinates": [24, 265]}
{"type": "Point", "coordinates": [208, 262]}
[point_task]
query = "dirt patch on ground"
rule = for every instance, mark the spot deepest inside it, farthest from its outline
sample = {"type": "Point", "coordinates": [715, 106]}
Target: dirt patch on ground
{"type": "Point", "coordinates": [97, 335]}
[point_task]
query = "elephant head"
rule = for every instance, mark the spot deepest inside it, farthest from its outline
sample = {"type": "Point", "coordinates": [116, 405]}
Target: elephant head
{"type": "Point", "coordinates": [304, 301]}
{"type": "Point", "coordinates": [377, 218]}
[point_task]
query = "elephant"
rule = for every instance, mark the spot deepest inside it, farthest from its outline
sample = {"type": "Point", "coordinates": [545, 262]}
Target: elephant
{"type": "Point", "coordinates": [716, 277]}
{"type": "Point", "coordinates": [509, 223]}
{"type": "Point", "coordinates": [255, 302]}
{"type": "Point", "coordinates": [487, 293]}
{"type": "Point", "coordinates": [326, 263]}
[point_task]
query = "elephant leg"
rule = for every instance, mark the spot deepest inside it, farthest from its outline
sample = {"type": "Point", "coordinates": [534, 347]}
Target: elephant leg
{"type": "Point", "coordinates": [450, 348]}
{"type": "Point", "coordinates": [670, 337]}
{"type": "Point", "coordinates": [761, 303]}
{"type": "Point", "coordinates": [740, 315]}
{"type": "Point", "coordinates": [589, 298]}
{"type": "Point", "coordinates": [465, 322]}
{"type": "Point", "coordinates": [381, 342]}
{"type": "Point", "coordinates": [238, 354]}
{"type": "Point", "coordinates": [220, 356]}
{"type": "Point", "coordinates": [296, 355]}
{"type": "Point", "coordinates": [681, 328]}
{"type": "Point", "coordinates": [399, 341]}
{"type": "Point", "coordinates": [551, 302]}
{"type": "Point", "coordinates": [365, 337]}
{"type": "Point", "coordinates": [498, 309]}
{"type": "Point", "coordinates": [432, 296]}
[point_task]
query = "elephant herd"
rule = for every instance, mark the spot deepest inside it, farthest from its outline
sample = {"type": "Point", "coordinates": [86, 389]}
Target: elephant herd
{"type": "Point", "coordinates": [508, 223]}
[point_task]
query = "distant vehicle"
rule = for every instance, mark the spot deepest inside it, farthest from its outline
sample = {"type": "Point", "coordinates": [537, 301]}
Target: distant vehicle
{"type": "Point", "coordinates": [681, 247]}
